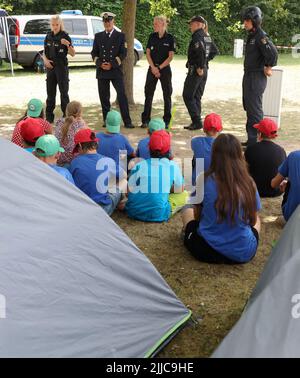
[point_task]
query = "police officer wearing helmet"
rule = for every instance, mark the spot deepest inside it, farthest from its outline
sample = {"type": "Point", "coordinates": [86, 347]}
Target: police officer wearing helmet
{"type": "Point", "coordinates": [261, 55]}
{"type": "Point", "coordinates": [160, 53]}
{"type": "Point", "coordinates": [201, 51]}
{"type": "Point", "coordinates": [57, 46]}
{"type": "Point", "coordinates": [109, 50]}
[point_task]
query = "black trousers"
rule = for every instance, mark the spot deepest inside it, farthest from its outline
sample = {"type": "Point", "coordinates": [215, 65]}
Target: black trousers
{"type": "Point", "coordinates": [104, 94]}
{"type": "Point", "coordinates": [202, 251]}
{"type": "Point", "coordinates": [58, 76]}
{"type": "Point", "coordinates": [254, 86]}
{"type": "Point", "coordinates": [194, 87]}
{"type": "Point", "coordinates": [150, 86]}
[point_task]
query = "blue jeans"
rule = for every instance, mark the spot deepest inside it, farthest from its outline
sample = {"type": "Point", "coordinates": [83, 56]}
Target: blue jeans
{"type": "Point", "coordinates": [115, 199]}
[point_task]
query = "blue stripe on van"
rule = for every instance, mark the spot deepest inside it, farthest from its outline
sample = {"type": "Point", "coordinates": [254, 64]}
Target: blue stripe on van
{"type": "Point", "coordinates": [80, 42]}
{"type": "Point", "coordinates": [39, 41]}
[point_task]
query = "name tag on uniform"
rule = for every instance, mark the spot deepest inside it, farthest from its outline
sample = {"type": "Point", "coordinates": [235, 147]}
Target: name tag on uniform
{"type": "Point", "coordinates": [252, 42]}
{"type": "Point", "coordinates": [61, 50]}
{"type": "Point", "coordinates": [167, 44]}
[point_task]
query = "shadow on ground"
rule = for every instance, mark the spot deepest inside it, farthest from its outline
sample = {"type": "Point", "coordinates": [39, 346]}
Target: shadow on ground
{"type": "Point", "coordinates": [215, 294]}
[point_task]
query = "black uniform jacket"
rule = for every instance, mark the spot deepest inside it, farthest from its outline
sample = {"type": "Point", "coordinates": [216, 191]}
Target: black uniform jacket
{"type": "Point", "coordinates": [201, 50]}
{"type": "Point", "coordinates": [260, 52]}
{"type": "Point", "coordinates": [112, 50]}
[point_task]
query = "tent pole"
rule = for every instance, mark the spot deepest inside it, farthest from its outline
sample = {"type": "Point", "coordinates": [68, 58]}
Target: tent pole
{"type": "Point", "coordinates": [7, 44]}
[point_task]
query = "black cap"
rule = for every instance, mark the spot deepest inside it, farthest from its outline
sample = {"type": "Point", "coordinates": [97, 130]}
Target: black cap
{"type": "Point", "coordinates": [197, 19]}
{"type": "Point", "coordinates": [254, 14]}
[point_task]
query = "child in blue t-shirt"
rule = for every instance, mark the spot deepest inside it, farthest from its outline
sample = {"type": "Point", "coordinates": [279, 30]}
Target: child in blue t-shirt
{"type": "Point", "coordinates": [202, 146]}
{"type": "Point", "coordinates": [227, 231]}
{"type": "Point", "coordinates": [155, 187]}
{"type": "Point", "coordinates": [96, 175]}
{"type": "Point", "coordinates": [142, 150]}
{"type": "Point", "coordinates": [48, 150]}
{"type": "Point", "coordinates": [288, 180]}
{"type": "Point", "coordinates": [112, 143]}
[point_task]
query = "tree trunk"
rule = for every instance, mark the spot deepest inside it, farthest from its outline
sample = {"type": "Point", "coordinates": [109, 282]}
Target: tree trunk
{"type": "Point", "coordinates": [128, 27]}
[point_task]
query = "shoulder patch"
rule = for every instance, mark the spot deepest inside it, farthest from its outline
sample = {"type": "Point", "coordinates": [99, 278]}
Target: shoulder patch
{"type": "Point", "coordinates": [197, 45]}
{"type": "Point", "coordinates": [264, 41]}
{"type": "Point", "coordinates": [126, 45]}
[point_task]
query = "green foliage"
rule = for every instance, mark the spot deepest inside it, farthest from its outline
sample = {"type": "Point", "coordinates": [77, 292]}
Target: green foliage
{"type": "Point", "coordinates": [281, 17]}
{"type": "Point", "coordinates": [158, 7]}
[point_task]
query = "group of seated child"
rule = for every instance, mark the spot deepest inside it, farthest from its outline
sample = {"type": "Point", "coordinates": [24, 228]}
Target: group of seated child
{"type": "Point", "coordinates": [220, 219]}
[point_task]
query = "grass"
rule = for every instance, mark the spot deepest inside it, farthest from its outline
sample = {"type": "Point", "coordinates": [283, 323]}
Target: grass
{"type": "Point", "coordinates": [216, 294]}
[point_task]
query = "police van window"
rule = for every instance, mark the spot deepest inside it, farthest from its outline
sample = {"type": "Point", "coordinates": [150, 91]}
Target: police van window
{"type": "Point", "coordinates": [97, 25]}
{"type": "Point", "coordinates": [12, 26]}
{"type": "Point", "coordinates": [76, 26]}
{"type": "Point", "coordinates": [68, 24]}
{"type": "Point", "coordinates": [37, 27]}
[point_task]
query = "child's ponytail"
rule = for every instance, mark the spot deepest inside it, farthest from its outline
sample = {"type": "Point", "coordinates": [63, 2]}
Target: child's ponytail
{"type": "Point", "coordinates": [73, 111]}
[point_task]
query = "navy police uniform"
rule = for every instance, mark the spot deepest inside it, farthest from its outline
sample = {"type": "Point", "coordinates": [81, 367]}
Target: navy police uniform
{"type": "Point", "coordinates": [201, 50]}
{"type": "Point", "coordinates": [111, 48]}
{"type": "Point", "coordinates": [59, 74]}
{"type": "Point", "coordinates": [260, 52]}
{"type": "Point", "coordinates": [159, 52]}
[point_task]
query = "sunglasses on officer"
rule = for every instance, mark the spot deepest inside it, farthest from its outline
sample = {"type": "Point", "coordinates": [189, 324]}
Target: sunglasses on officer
{"type": "Point", "coordinates": [108, 19]}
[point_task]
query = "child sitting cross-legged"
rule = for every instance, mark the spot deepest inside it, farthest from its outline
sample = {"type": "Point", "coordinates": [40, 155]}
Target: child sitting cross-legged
{"type": "Point", "coordinates": [202, 145]}
{"type": "Point", "coordinates": [156, 186]}
{"type": "Point", "coordinates": [142, 150]}
{"type": "Point", "coordinates": [227, 228]}
{"type": "Point", "coordinates": [30, 131]}
{"type": "Point", "coordinates": [96, 175]}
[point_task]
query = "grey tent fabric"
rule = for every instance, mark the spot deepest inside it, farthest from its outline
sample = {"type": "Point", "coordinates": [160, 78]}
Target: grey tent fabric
{"type": "Point", "coordinates": [74, 284]}
{"type": "Point", "coordinates": [270, 325]}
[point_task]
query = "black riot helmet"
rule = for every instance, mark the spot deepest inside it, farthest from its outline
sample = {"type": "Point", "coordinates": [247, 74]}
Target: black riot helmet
{"type": "Point", "coordinates": [254, 14]}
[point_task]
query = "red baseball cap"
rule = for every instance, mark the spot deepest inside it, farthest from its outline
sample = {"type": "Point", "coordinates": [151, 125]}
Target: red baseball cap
{"type": "Point", "coordinates": [267, 127]}
{"type": "Point", "coordinates": [213, 122]}
{"type": "Point", "coordinates": [160, 141]}
{"type": "Point", "coordinates": [31, 129]}
{"type": "Point", "coordinates": [84, 136]}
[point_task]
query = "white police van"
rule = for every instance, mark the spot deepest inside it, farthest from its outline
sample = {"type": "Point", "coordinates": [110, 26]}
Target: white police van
{"type": "Point", "coordinates": [27, 34]}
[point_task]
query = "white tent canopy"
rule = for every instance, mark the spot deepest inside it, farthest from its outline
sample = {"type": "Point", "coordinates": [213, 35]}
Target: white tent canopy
{"type": "Point", "coordinates": [5, 30]}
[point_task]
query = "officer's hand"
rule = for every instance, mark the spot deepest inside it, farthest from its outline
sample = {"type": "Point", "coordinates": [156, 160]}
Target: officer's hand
{"type": "Point", "coordinates": [268, 71]}
{"type": "Point", "coordinates": [65, 42]}
{"type": "Point", "coordinates": [48, 64]}
{"type": "Point", "coordinates": [106, 66]}
{"type": "Point", "coordinates": [155, 71]}
{"type": "Point", "coordinates": [200, 71]}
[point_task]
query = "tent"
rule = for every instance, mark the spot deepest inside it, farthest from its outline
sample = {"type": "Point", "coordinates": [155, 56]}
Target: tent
{"type": "Point", "coordinates": [5, 51]}
{"type": "Point", "coordinates": [71, 281]}
{"type": "Point", "coordinates": [270, 325]}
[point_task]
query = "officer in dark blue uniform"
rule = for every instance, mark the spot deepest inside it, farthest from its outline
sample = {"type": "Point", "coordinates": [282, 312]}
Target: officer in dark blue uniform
{"type": "Point", "coordinates": [160, 53]}
{"type": "Point", "coordinates": [261, 56]}
{"type": "Point", "coordinates": [57, 46]}
{"type": "Point", "coordinates": [201, 51]}
{"type": "Point", "coordinates": [109, 50]}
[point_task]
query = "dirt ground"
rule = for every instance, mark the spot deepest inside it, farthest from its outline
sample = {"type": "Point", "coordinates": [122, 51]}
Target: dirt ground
{"type": "Point", "coordinates": [215, 294]}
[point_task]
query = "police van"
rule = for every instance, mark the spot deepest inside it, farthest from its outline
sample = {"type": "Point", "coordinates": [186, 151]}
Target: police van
{"type": "Point", "coordinates": [27, 34]}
